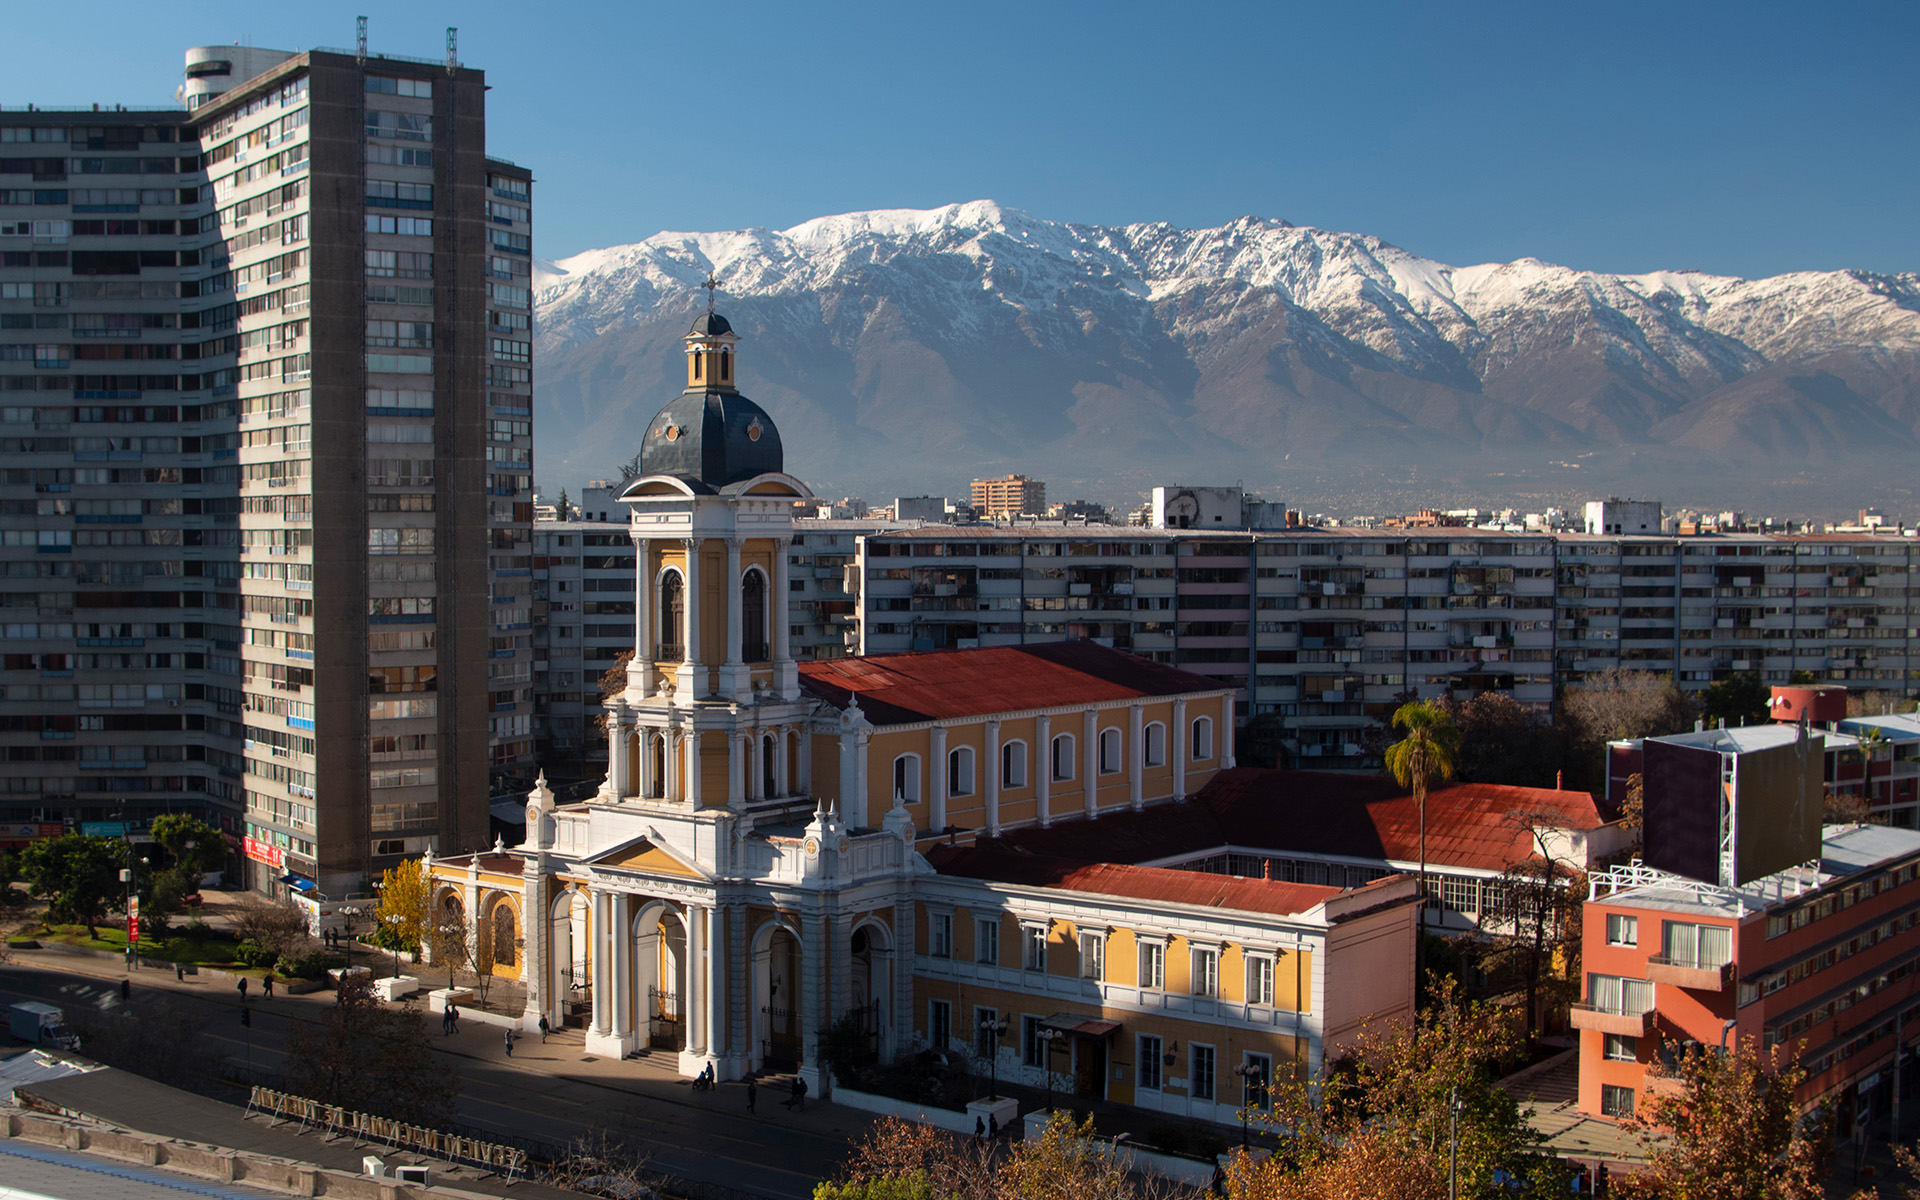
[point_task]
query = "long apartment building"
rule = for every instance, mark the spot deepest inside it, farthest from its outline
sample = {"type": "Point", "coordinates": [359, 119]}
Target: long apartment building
{"type": "Point", "coordinates": [267, 494]}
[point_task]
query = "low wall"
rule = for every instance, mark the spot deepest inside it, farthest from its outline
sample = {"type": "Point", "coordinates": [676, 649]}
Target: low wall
{"type": "Point", "coordinates": [906, 1110]}
{"type": "Point", "coordinates": [219, 1165]}
{"type": "Point", "coordinates": [1194, 1172]}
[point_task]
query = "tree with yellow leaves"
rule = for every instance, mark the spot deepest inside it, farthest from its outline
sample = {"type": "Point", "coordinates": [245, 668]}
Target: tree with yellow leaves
{"type": "Point", "coordinates": [405, 914]}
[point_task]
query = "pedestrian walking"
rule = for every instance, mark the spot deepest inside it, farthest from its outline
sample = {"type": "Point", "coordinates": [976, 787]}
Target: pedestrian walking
{"type": "Point", "coordinates": [545, 1029]}
{"type": "Point", "coordinates": [753, 1094]}
{"type": "Point", "coordinates": [179, 973]}
{"type": "Point", "coordinates": [126, 990]}
{"type": "Point", "coordinates": [509, 1034]}
{"type": "Point", "coordinates": [453, 1015]}
{"type": "Point", "coordinates": [242, 985]}
{"type": "Point", "coordinates": [446, 1021]}
{"type": "Point", "coordinates": [268, 985]}
{"type": "Point", "coordinates": [979, 1129]}
{"type": "Point", "coordinates": [798, 1099]}
{"type": "Point", "coordinates": [993, 1127]}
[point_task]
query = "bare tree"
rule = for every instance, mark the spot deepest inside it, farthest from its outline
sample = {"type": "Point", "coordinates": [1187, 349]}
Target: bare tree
{"type": "Point", "coordinates": [1539, 921]}
{"type": "Point", "coordinates": [1619, 703]}
{"type": "Point", "coordinates": [276, 925]}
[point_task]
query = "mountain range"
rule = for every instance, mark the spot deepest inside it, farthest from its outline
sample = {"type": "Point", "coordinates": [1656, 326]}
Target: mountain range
{"type": "Point", "coordinates": [904, 352]}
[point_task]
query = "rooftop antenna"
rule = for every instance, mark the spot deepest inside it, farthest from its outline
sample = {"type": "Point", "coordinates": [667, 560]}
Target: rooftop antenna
{"type": "Point", "coordinates": [712, 285]}
{"type": "Point", "coordinates": [360, 29]}
{"type": "Point", "coordinates": [453, 48]}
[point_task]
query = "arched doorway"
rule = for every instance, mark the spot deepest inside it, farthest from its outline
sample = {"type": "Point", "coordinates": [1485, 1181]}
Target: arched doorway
{"type": "Point", "coordinates": [660, 977]}
{"type": "Point", "coordinates": [777, 1014]}
{"type": "Point", "coordinates": [753, 617]}
{"type": "Point", "coordinates": [872, 960]}
{"type": "Point", "coordinates": [569, 933]}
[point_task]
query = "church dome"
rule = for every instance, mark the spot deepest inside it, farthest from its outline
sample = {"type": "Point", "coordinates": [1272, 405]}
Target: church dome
{"type": "Point", "coordinates": [710, 325]}
{"type": "Point", "coordinates": [711, 439]}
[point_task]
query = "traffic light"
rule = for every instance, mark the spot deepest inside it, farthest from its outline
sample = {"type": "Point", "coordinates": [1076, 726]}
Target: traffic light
{"type": "Point", "coordinates": [246, 1017]}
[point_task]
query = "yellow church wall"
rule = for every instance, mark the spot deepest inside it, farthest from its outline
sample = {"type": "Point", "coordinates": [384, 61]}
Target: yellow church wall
{"type": "Point", "coordinates": [713, 769]}
{"type": "Point", "coordinates": [826, 766]}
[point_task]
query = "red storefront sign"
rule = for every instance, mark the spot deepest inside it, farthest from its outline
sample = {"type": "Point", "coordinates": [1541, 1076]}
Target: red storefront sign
{"type": "Point", "coordinates": [133, 921]}
{"type": "Point", "coordinates": [262, 852]}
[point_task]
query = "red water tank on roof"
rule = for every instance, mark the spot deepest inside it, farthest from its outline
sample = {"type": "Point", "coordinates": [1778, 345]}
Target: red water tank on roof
{"type": "Point", "coordinates": [1819, 703]}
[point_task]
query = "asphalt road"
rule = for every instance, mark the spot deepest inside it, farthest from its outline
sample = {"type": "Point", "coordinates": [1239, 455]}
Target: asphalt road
{"type": "Point", "coordinates": [544, 1092]}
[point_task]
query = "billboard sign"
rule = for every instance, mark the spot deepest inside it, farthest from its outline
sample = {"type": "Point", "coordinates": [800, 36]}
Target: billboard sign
{"type": "Point", "coordinates": [1680, 790]}
{"type": "Point", "coordinates": [1777, 807]}
{"type": "Point", "coordinates": [263, 852]}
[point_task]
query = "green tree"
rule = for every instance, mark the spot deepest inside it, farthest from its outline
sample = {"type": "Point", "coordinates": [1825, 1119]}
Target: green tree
{"type": "Point", "coordinates": [1424, 756]}
{"type": "Point", "coordinates": [562, 509]}
{"type": "Point", "coordinates": [1737, 700]}
{"type": "Point", "coordinates": [1731, 1131]}
{"type": "Point", "coordinates": [190, 843]}
{"type": "Point", "coordinates": [368, 1057]}
{"type": "Point", "coordinates": [1504, 741]}
{"type": "Point", "coordinates": [78, 876]}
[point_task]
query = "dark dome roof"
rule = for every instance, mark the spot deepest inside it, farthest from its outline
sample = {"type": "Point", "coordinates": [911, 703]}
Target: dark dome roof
{"type": "Point", "coordinates": [711, 439]}
{"type": "Point", "coordinates": [710, 325]}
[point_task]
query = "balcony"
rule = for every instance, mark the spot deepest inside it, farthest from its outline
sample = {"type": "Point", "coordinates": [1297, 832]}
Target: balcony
{"type": "Point", "coordinates": [1601, 1020]}
{"type": "Point", "coordinates": [1693, 976]}
{"type": "Point", "coordinates": [669, 652]}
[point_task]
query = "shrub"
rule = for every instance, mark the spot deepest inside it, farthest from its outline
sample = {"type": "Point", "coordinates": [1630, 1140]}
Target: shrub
{"type": "Point", "coordinates": [253, 954]}
{"type": "Point", "coordinates": [311, 964]}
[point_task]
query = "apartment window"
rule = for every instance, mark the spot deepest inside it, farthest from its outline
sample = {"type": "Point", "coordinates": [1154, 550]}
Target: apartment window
{"type": "Point", "coordinates": [986, 940]}
{"type": "Point", "coordinates": [1063, 757]}
{"type": "Point", "coordinates": [1033, 1048]}
{"type": "Point", "coordinates": [1033, 947]}
{"type": "Point", "coordinates": [960, 771]}
{"type": "Point", "coordinates": [1013, 765]}
{"type": "Point", "coordinates": [1693, 945]}
{"type": "Point", "coordinates": [1622, 930]}
{"type": "Point", "coordinates": [1206, 972]}
{"type": "Point", "coordinates": [1149, 1059]}
{"type": "Point", "coordinates": [939, 1023]}
{"type": "Point", "coordinates": [1200, 1071]}
{"type": "Point", "coordinates": [1259, 981]}
{"type": "Point", "coordinates": [1153, 965]}
{"type": "Point", "coordinates": [1202, 738]}
{"type": "Point", "coordinates": [985, 1042]}
{"type": "Point", "coordinates": [1109, 751]}
{"type": "Point", "coordinates": [1622, 1048]}
{"type": "Point", "coordinates": [1611, 993]}
{"type": "Point", "coordinates": [1154, 738]}
{"type": "Point", "coordinates": [1616, 1101]}
{"type": "Point", "coordinates": [906, 779]}
{"type": "Point", "coordinates": [1093, 957]}
{"type": "Point", "coordinates": [940, 935]}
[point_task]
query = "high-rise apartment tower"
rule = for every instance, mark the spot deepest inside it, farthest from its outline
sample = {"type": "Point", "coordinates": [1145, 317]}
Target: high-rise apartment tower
{"type": "Point", "coordinates": [267, 495]}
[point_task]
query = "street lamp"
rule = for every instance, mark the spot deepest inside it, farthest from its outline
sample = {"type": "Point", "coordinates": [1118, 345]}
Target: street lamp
{"type": "Point", "coordinates": [350, 912]}
{"type": "Point", "coordinates": [1047, 1036]}
{"type": "Point", "coordinates": [1247, 1073]}
{"type": "Point", "coordinates": [393, 941]}
{"type": "Point", "coordinates": [997, 1029]}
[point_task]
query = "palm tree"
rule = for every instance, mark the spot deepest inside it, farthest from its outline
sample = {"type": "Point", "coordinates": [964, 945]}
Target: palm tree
{"type": "Point", "coordinates": [1424, 755]}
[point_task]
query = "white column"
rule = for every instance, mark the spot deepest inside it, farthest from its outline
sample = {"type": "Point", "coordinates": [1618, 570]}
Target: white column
{"type": "Point", "coordinates": [736, 768]}
{"type": "Point", "coordinates": [1090, 759]}
{"type": "Point", "coordinates": [740, 996]}
{"type": "Point", "coordinates": [621, 969]}
{"type": "Point", "coordinates": [787, 675]}
{"type": "Point", "coordinates": [533, 931]}
{"type": "Point", "coordinates": [640, 669]}
{"type": "Point", "coordinates": [715, 945]}
{"type": "Point", "coordinates": [1136, 753]}
{"type": "Point", "coordinates": [782, 776]}
{"type": "Point", "coordinates": [992, 766]}
{"type": "Point", "coordinates": [1043, 759]}
{"type": "Point", "coordinates": [671, 751]}
{"type": "Point", "coordinates": [734, 680]}
{"type": "Point", "coordinates": [691, 679]}
{"type": "Point", "coordinates": [693, 1011]}
{"type": "Point", "coordinates": [1179, 742]}
{"type": "Point", "coordinates": [602, 951]}
{"type": "Point", "coordinates": [937, 780]}
{"type": "Point", "coordinates": [812, 996]}
{"type": "Point", "coordinates": [1226, 734]}
{"type": "Point", "coordinates": [692, 742]}
{"type": "Point", "coordinates": [618, 730]}
{"type": "Point", "coordinates": [756, 763]}
{"type": "Point", "coordinates": [643, 746]}
{"type": "Point", "coordinates": [854, 811]}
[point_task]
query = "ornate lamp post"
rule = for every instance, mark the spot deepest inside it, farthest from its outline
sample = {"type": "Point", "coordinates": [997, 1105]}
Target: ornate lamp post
{"type": "Point", "coordinates": [996, 1028]}
{"type": "Point", "coordinates": [350, 912]}
{"type": "Point", "coordinates": [1248, 1073]}
{"type": "Point", "coordinates": [1048, 1036]}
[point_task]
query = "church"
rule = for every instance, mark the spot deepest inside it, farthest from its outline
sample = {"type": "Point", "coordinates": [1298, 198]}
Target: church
{"type": "Point", "coordinates": [780, 847]}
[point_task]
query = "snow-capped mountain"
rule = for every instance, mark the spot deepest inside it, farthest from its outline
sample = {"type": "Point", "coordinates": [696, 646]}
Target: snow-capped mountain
{"type": "Point", "coordinates": [906, 351]}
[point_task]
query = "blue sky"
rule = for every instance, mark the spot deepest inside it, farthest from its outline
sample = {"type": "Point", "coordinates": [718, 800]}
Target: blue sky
{"type": "Point", "coordinates": [1743, 139]}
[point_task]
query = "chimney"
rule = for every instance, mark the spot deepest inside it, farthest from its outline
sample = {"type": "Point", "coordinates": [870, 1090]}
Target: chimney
{"type": "Point", "coordinates": [1560, 781]}
{"type": "Point", "coordinates": [1266, 868]}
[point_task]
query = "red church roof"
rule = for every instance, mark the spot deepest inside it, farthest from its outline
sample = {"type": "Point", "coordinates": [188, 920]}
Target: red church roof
{"type": "Point", "coordinates": [901, 689]}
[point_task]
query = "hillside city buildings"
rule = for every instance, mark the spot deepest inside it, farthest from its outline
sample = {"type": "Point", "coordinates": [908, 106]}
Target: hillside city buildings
{"type": "Point", "coordinates": [267, 491]}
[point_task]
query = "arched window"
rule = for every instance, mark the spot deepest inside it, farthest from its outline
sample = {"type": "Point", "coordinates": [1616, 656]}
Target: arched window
{"type": "Point", "coordinates": [1013, 765]}
{"type": "Point", "coordinates": [960, 771]}
{"type": "Point", "coordinates": [1062, 757]}
{"type": "Point", "coordinates": [1202, 738]}
{"type": "Point", "coordinates": [697, 356]}
{"type": "Point", "coordinates": [503, 935]}
{"type": "Point", "coordinates": [753, 617]}
{"type": "Point", "coordinates": [657, 785]}
{"type": "Point", "coordinates": [1154, 739]}
{"type": "Point", "coordinates": [1109, 751]}
{"type": "Point", "coordinates": [726, 365]}
{"type": "Point", "coordinates": [673, 616]}
{"type": "Point", "coordinates": [769, 778]}
{"type": "Point", "coordinates": [906, 779]}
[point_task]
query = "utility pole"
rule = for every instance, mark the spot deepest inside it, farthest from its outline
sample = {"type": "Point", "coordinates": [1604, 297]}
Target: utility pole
{"type": "Point", "coordinates": [1453, 1144]}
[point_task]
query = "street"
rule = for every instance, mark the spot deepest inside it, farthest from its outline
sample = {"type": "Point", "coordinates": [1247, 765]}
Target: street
{"type": "Point", "coordinates": [554, 1092]}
